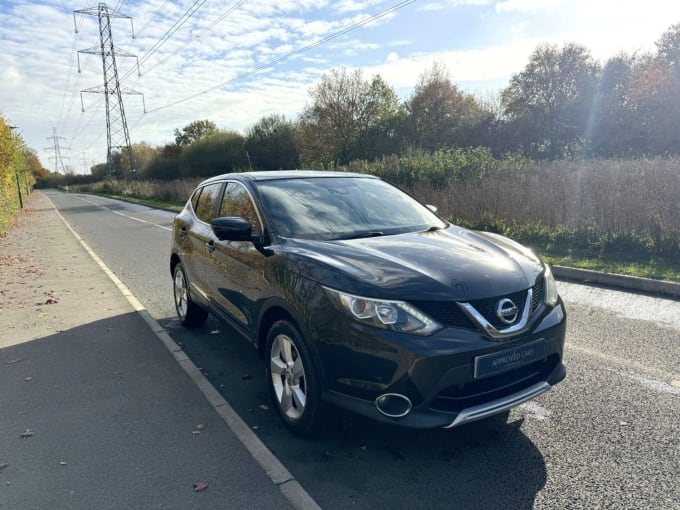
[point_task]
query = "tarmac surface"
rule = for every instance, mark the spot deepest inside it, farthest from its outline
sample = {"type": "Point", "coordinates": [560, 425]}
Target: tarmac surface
{"type": "Point", "coordinates": [99, 408]}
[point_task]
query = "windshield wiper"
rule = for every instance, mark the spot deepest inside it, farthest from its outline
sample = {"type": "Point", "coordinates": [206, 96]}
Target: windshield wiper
{"type": "Point", "coordinates": [433, 228]}
{"type": "Point", "coordinates": [362, 235]}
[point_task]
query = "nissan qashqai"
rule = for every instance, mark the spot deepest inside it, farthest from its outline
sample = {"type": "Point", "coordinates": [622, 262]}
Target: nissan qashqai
{"type": "Point", "coordinates": [357, 295]}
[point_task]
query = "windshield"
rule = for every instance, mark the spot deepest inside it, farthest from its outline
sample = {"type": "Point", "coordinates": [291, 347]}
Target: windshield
{"type": "Point", "coordinates": [343, 208]}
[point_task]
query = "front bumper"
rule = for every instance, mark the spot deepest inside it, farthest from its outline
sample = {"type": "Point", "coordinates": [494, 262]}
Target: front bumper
{"type": "Point", "coordinates": [435, 374]}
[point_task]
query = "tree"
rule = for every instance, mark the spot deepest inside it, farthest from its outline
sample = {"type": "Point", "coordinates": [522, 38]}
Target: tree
{"type": "Point", "coordinates": [270, 144]}
{"type": "Point", "coordinates": [165, 163]}
{"type": "Point", "coordinates": [219, 153]}
{"type": "Point", "coordinates": [16, 179]}
{"type": "Point", "coordinates": [612, 130]}
{"type": "Point", "coordinates": [98, 170]}
{"type": "Point", "coordinates": [384, 133]}
{"type": "Point", "coordinates": [654, 91]}
{"type": "Point", "coordinates": [441, 116]}
{"type": "Point", "coordinates": [143, 153]}
{"type": "Point", "coordinates": [668, 47]}
{"type": "Point", "coordinates": [346, 111]}
{"type": "Point", "coordinates": [548, 103]}
{"type": "Point", "coordinates": [194, 131]}
{"type": "Point", "coordinates": [38, 171]}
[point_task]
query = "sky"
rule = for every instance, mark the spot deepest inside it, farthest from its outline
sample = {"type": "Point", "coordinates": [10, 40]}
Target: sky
{"type": "Point", "coordinates": [235, 61]}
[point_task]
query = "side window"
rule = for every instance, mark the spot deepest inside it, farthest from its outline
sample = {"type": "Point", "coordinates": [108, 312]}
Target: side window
{"type": "Point", "coordinates": [206, 205]}
{"type": "Point", "coordinates": [236, 202]}
{"type": "Point", "coordinates": [194, 198]}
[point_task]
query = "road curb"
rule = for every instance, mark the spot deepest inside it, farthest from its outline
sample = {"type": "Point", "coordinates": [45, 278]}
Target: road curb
{"type": "Point", "coordinates": [632, 283]}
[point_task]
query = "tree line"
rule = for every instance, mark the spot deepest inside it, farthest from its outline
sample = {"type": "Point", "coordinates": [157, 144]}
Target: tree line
{"type": "Point", "coordinates": [19, 168]}
{"type": "Point", "coordinates": [562, 105]}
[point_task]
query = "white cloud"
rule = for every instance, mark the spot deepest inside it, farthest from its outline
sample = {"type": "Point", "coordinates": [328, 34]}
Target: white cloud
{"type": "Point", "coordinates": [527, 5]}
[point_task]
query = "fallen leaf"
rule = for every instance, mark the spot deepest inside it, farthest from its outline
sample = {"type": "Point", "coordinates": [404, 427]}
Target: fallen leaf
{"type": "Point", "coordinates": [62, 463]}
{"type": "Point", "coordinates": [27, 433]}
{"type": "Point", "coordinates": [11, 362]}
{"type": "Point", "coordinates": [3, 465]}
{"type": "Point", "coordinates": [264, 407]}
{"type": "Point", "coordinates": [200, 486]}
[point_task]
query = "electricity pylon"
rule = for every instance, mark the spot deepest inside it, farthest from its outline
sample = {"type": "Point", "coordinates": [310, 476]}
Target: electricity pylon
{"type": "Point", "coordinates": [58, 158]}
{"type": "Point", "coordinates": [117, 134]}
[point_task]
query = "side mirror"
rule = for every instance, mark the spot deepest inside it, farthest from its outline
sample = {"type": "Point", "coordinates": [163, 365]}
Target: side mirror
{"type": "Point", "coordinates": [232, 228]}
{"type": "Point", "coordinates": [432, 208]}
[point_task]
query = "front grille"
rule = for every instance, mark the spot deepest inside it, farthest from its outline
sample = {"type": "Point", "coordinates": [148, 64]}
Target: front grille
{"type": "Point", "coordinates": [446, 313]}
{"type": "Point", "coordinates": [538, 294]}
{"type": "Point", "coordinates": [449, 314]}
{"type": "Point", "coordinates": [487, 307]}
{"type": "Point", "coordinates": [456, 398]}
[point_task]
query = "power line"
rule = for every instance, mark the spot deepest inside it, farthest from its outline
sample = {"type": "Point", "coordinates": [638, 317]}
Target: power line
{"type": "Point", "coordinates": [221, 17]}
{"type": "Point", "coordinates": [170, 32]}
{"type": "Point", "coordinates": [232, 8]}
{"type": "Point", "coordinates": [292, 54]}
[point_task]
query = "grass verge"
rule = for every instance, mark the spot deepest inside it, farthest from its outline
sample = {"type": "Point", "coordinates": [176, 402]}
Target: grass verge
{"type": "Point", "coordinates": [656, 270]}
{"type": "Point", "coordinates": [168, 205]}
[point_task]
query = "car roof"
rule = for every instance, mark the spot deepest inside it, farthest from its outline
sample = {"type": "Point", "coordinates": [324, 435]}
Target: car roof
{"type": "Point", "coordinates": [272, 175]}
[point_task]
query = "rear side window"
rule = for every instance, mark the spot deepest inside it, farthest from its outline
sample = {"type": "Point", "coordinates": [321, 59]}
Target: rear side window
{"type": "Point", "coordinates": [206, 205]}
{"type": "Point", "coordinates": [236, 202]}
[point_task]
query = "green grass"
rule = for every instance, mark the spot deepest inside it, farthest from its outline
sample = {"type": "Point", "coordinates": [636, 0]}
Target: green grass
{"type": "Point", "coordinates": [657, 270]}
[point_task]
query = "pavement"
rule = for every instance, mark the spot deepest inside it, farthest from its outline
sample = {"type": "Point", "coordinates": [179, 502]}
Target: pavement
{"type": "Point", "coordinates": [99, 408]}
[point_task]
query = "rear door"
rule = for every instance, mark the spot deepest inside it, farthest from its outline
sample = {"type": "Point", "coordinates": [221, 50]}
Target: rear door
{"type": "Point", "coordinates": [196, 234]}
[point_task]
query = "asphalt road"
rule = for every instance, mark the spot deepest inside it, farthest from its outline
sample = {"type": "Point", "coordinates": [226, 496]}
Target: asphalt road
{"type": "Point", "coordinates": [607, 437]}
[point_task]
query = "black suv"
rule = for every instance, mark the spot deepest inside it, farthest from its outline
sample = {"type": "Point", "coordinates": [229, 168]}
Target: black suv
{"type": "Point", "coordinates": [358, 295]}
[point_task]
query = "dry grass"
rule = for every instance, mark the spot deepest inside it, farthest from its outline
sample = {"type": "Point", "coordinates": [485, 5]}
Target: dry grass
{"type": "Point", "coordinates": [609, 197]}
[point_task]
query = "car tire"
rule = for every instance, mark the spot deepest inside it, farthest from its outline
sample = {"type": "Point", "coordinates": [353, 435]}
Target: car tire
{"type": "Point", "coordinates": [189, 313]}
{"type": "Point", "coordinates": [293, 379]}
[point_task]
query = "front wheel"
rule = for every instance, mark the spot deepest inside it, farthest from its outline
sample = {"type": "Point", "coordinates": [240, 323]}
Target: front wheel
{"type": "Point", "coordinates": [292, 379]}
{"type": "Point", "coordinates": [188, 312]}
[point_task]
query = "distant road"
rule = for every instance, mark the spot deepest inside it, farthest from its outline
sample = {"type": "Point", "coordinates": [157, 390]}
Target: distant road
{"type": "Point", "coordinates": [606, 437]}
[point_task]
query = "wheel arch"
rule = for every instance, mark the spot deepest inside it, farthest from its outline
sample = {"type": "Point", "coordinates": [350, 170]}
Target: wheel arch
{"type": "Point", "coordinates": [280, 310]}
{"type": "Point", "coordinates": [174, 260]}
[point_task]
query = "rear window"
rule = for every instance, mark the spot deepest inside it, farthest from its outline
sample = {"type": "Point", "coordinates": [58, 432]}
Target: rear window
{"type": "Point", "coordinates": [207, 201]}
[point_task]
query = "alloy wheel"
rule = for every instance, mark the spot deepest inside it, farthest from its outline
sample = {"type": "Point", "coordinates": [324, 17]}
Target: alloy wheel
{"type": "Point", "coordinates": [288, 377]}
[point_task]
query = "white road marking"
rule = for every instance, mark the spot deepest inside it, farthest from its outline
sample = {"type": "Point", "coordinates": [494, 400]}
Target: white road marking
{"type": "Point", "coordinates": [125, 215]}
{"type": "Point", "coordinates": [649, 381]}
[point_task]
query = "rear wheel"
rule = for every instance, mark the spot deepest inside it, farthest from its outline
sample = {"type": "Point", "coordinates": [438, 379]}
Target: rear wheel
{"type": "Point", "coordinates": [292, 379]}
{"type": "Point", "coordinates": [188, 312]}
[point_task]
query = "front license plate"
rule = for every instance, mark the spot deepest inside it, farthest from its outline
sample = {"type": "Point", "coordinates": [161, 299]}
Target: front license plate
{"type": "Point", "coordinates": [498, 362]}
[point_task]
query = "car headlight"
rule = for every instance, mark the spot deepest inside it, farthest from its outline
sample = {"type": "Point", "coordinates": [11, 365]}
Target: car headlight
{"type": "Point", "coordinates": [391, 315]}
{"type": "Point", "coordinates": [551, 295]}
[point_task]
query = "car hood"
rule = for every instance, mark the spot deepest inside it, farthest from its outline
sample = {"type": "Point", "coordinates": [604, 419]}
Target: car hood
{"type": "Point", "coordinates": [453, 263]}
